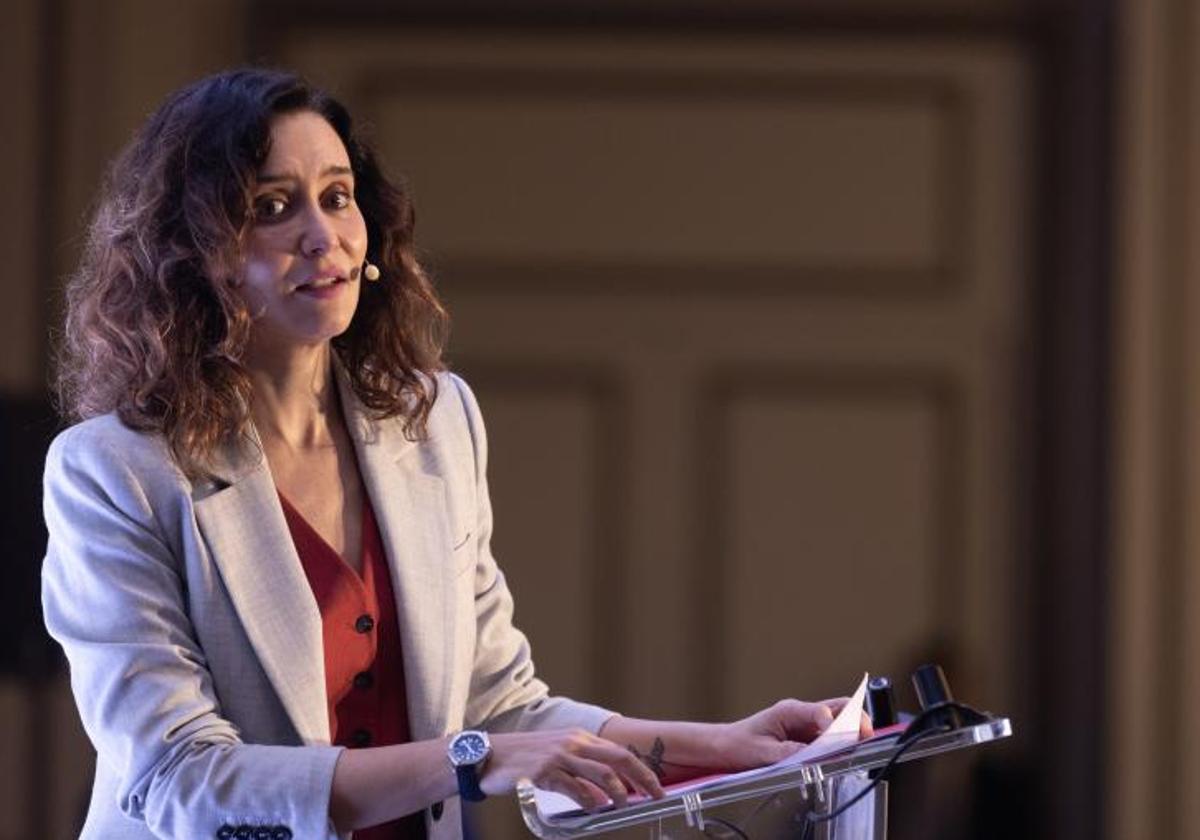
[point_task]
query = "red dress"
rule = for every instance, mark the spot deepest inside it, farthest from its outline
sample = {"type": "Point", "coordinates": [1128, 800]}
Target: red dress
{"type": "Point", "coordinates": [364, 666]}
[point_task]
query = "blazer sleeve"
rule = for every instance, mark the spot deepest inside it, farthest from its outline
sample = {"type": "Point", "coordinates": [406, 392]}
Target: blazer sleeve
{"type": "Point", "coordinates": [505, 692]}
{"type": "Point", "coordinates": [114, 598]}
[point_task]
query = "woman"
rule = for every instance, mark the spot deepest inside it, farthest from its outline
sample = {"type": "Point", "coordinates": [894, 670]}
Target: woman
{"type": "Point", "coordinates": [269, 558]}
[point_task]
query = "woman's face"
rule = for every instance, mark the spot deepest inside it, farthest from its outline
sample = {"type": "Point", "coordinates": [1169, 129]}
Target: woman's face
{"type": "Point", "coordinates": [305, 247]}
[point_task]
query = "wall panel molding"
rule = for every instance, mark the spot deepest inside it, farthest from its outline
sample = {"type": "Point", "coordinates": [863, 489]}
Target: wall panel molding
{"type": "Point", "coordinates": [942, 96]}
{"type": "Point", "coordinates": [862, 386]}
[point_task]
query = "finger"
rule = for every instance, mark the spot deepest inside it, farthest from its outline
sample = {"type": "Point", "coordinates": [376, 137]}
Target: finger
{"type": "Point", "coordinates": [640, 777]}
{"type": "Point", "coordinates": [644, 779]}
{"type": "Point", "coordinates": [637, 775]}
{"type": "Point", "coordinates": [800, 721]}
{"type": "Point", "coordinates": [865, 728]}
{"type": "Point", "coordinates": [836, 704]}
{"type": "Point", "coordinates": [600, 774]}
{"type": "Point", "coordinates": [589, 797]}
{"type": "Point", "coordinates": [820, 717]}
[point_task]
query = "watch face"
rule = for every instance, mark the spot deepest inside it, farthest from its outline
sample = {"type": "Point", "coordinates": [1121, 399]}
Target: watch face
{"type": "Point", "coordinates": [468, 748]}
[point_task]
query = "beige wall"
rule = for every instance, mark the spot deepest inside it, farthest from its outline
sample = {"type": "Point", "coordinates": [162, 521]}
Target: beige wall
{"type": "Point", "coordinates": [87, 74]}
{"type": "Point", "coordinates": [22, 144]}
{"type": "Point", "coordinates": [1154, 633]}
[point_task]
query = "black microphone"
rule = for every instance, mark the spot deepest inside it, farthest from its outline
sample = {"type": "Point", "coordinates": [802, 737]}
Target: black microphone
{"type": "Point", "coordinates": [881, 704]}
{"type": "Point", "coordinates": [939, 709]}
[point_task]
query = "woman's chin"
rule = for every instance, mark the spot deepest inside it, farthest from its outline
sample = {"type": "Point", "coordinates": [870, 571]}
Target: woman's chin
{"type": "Point", "coordinates": [267, 341]}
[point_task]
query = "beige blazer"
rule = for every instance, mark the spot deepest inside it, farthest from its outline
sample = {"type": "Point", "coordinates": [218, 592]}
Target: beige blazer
{"type": "Point", "coordinates": [194, 640]}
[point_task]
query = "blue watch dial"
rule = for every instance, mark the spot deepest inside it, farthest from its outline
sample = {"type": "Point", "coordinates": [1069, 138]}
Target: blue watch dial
{"type": "Point", "coordinates": [468, 748]}
{"type": "Point", "coordinates": [468, 752]}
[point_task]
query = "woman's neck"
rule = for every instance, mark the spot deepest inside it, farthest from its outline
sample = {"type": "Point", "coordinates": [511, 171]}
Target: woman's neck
{"type": "Point", "coordinates": [295, 400]}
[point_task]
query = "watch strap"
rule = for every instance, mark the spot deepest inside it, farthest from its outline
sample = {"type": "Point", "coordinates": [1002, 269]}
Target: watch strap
{"type": "Point", "coordinates": [468, 782]}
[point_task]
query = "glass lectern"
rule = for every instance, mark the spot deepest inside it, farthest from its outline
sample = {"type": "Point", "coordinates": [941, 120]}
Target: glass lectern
{"type": "Point", "coordinates": [824, 784]}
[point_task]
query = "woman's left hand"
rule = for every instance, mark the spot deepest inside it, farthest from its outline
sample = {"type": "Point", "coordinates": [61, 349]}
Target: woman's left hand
{"type": "Point", "coordinates": [778, 731]}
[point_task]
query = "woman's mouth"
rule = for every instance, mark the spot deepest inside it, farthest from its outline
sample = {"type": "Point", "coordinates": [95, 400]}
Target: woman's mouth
{"type": "Point", "coordinates": [321, 287]}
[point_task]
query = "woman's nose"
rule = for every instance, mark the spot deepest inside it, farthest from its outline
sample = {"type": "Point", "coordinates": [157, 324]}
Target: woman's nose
{"type": "Point", "coordinates": [317, 235]}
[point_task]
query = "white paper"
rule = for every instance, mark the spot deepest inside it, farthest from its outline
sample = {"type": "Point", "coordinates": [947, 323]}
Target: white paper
{"type": "Point", "coordinates": [842, 733]}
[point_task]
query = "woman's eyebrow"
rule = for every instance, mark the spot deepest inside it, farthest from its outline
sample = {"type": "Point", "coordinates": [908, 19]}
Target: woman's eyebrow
{"type": "Point", "coordinates": [271, 178]}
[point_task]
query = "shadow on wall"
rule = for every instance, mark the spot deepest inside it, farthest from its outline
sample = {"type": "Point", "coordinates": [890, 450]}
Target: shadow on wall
{"type": "Point", "coordinates": [27, 426]}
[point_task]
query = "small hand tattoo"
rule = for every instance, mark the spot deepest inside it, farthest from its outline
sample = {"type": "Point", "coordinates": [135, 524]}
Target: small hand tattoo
{"type": "Point", "coordinates": [652, 759]}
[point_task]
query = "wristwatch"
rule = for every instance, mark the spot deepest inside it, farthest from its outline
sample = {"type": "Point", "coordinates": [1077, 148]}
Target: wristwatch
{"type": "Point", "coordinates": [469, 751]}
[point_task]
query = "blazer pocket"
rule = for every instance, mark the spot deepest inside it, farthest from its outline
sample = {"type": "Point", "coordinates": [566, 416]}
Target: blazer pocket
{"type": "Point", "coordinates": [464, 557]}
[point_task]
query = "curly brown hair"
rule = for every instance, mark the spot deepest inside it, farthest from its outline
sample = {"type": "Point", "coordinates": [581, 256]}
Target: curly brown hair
{"type": "Point", "coordinates": [154, 328]}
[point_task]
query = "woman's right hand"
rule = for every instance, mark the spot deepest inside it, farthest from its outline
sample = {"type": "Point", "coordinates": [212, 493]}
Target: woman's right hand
{"type": "Point", "coordinates": [585, 767]}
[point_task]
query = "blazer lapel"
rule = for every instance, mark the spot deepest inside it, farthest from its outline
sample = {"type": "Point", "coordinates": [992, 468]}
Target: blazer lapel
{"type": "Point", "coordinates": [411, 509]}
{"type": "Point", "coordinates": [248, 538]}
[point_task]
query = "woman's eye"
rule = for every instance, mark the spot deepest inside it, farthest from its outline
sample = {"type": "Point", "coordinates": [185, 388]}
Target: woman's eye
{"type": "Point", "coordinates": [269, 208]}
{"type": "Point", "coordinates": [339, 200]}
